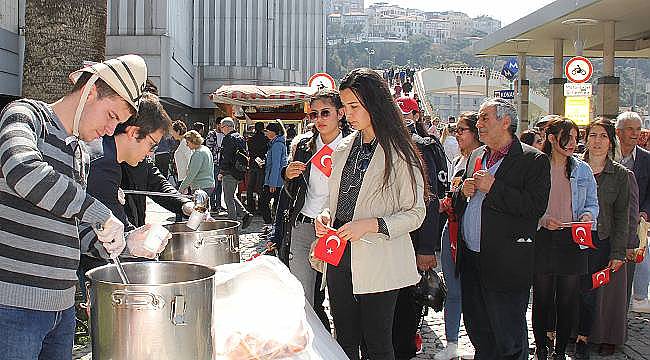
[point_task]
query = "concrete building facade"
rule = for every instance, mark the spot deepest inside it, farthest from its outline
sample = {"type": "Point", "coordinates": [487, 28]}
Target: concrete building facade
{"type": "Point", "coordinates": [193, 47]}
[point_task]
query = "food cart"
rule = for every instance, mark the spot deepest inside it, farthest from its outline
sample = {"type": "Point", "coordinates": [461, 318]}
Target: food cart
{"type": "Point", "coordinates": [252, 103]}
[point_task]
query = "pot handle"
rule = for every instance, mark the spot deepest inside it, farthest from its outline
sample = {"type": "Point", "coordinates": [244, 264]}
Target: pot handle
{"type": "Point", "coordinates": [86, 305]}
{"type": "Point", "coordinates": [178, 310]}
{"type": "Point", "coordinates": [125, 298]}
{"type": "Point", "coordinates": [231, 242]}
{"type": "Point", "coordinates": [215, 240]}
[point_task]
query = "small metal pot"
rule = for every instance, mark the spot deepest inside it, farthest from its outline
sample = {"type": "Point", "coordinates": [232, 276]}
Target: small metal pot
{"type": "Point", "coordinates": [213, 243]}
{"type": "Point", "coordinates": [164, 313]}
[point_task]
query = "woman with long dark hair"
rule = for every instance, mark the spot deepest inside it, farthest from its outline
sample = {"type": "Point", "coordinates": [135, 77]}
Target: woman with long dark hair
{"type": "Point", "coordinates": [603, 311]}
{"type": "Point", "coordinates": [559, 262]}
{"type": "Point", "coordinates": [307, 188]}
{"type": "Point", "coordinates": [376, 198]}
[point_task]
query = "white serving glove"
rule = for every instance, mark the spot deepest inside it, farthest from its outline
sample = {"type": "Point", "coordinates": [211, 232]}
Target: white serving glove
{"type": "Point", "coordinates": [137, 240]}
{"type": "Point", "coordinates": [111, 235]}
{"type": "Point", "coordinates": [188, 207]}
{"type": "Point", "coordinates": [121, 198]}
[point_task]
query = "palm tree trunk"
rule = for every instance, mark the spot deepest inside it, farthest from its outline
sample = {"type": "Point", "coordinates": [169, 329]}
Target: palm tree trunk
{"type": "Point", "coordinates": [59, 37]}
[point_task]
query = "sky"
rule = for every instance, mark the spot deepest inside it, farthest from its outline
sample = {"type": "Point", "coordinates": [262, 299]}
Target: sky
{"type": "Point", "coordinates": [507, 11]}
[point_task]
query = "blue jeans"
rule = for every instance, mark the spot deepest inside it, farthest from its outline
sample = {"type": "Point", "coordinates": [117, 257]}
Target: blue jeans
{"type": "Point", "coordinates": [641, 277]}
{"type": "Point", "coordinates": [32, 334]}
{"type": "Point", "coordinates": [453, 301]}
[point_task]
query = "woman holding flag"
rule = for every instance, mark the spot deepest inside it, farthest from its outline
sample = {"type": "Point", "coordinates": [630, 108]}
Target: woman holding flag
{"type": "Point", "coordinates": [376, 198]}
{"type": "Point", "coordinates": [615, 184]}
{"type": "Point", "coordinates": [306, 179]}
{"type": "Point", "coordinates": [560, 258]}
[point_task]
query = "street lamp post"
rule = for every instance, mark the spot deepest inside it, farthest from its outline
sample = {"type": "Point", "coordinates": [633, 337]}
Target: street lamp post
{"type": "Point", "coordinates": [458, 81]}
{"type": "Point", "coordinates": [370, 53]}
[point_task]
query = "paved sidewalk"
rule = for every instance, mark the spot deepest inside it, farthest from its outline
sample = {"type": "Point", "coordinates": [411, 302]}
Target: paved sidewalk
{"type": "Point", "coordinates": [637, 346]}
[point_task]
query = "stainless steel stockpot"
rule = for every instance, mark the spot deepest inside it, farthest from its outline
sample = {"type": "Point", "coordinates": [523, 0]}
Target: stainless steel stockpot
{"type": "Point", "coordinates": [213, 243]}
{"type": "Point", "coordinates": [164, 313]}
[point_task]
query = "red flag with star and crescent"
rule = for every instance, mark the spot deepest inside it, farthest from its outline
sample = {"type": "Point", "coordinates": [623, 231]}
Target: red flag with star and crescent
{"type": "Point", "coordinates": [600, 278]}
{"type": "Point", "coordinates": [581, 233]}
{"type": "Point", "coordinates": [323, 160]}
{"type": "Point", "coordinates": [330, 247]}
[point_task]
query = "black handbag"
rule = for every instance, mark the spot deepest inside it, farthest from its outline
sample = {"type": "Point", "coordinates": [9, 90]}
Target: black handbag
{"type": "Point", "coordinates": [431, 291]}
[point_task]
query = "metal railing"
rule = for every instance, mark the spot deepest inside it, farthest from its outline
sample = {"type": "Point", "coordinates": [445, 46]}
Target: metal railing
{"type": "Point", "coordinates": [473, 71]}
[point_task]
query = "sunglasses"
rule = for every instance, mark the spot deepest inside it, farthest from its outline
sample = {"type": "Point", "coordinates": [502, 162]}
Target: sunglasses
{"type": "Point", "coordinates": [155, 143]}
{"type": "Point", "coordinates": [459, 130]}
{"type": "Point", "coordinates": [323, 113]}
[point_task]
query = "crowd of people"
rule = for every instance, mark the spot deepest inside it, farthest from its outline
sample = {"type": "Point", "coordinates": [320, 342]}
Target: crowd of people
{"type": "Point", "coordinates": [497, 211]}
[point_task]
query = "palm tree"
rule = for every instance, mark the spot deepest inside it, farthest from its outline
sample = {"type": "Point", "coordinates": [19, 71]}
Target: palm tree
{"type": "Point", "coordinates": [59, 36]}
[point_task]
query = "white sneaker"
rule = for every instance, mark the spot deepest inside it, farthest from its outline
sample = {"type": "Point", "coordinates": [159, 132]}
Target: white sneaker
{"type": "Point", "coordinates": [641, 306]}
{"type": "Point", "coordinates": [450, 352]}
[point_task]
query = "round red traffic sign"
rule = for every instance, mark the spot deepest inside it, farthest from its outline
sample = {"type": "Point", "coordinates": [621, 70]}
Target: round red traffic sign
{"type": "Point", "coordinates": [321, 80]}
{"type": "Point", "coordinates": [578, 69]}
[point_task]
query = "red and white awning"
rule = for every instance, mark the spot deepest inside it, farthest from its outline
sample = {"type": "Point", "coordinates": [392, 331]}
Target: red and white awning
{"type": "Point", "coordinates": [252, 95]}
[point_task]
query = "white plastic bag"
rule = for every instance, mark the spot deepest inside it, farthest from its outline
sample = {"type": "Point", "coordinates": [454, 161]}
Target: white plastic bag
{"type": "Point", "coordinates": [258, 312]}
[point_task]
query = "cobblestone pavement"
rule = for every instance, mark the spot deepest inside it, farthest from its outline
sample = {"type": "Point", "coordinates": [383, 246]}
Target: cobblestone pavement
{"type": "Point", "coordinates": [637, 346]}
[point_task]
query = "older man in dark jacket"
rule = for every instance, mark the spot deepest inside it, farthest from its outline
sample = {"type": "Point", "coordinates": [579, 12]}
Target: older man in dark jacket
{"type": "Point", "coordinates": [504, 193]}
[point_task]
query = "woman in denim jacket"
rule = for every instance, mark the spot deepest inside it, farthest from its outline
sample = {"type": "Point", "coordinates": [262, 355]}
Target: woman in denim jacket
{"type": "Point", "coordinates": [559, 261]}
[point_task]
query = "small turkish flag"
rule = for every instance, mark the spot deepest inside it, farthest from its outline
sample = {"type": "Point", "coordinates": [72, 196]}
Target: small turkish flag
{"type": "Point", "coordinates": [323, 160]}
{"type": "Point", "coordinates": [639, 255]}
{"type": "Point", "coordinates": [478, 164]}
{"type": "Point", "coordinates": [330, 247]}
{"type": "Point", "coordinates": [600, 278]}
{"type": "Point", "coordinates": [581, 233]}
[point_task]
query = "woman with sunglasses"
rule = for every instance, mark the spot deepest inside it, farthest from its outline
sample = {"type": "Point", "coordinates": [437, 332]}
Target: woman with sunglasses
{"type": "Point", "coordinates": [559, 261]}
{"type": "Point", "coordinates": [376, 198]}
{"type": "Point", "coordinates": [307, 187]}
{"type": "Point", "coordinates": [200, 171]}
{"type": "Point", "coordinates": [468, 141]}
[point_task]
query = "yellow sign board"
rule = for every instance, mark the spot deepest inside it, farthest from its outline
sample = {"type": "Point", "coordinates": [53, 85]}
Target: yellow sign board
{"type": "Point", "coordinates": [577, 108]}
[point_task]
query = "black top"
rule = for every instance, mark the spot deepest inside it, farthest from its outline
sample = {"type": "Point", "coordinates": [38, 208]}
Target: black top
{"type": "Point", "coordinates": [351, 179]}
{"type": "Point", "coordinates": [105, 176]}
{"type": "Point", "coordinates": [231, 142]}
{"type": "Point", "coordinates": [258, 144]}
{"type": "Point", "coordinates": [146, 176]}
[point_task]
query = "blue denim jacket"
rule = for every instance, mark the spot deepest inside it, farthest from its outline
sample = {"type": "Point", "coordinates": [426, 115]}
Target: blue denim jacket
{"type": "Point", "coordinates": [584, 191]}
{"type": "Point", "coordinates": [276, 159]}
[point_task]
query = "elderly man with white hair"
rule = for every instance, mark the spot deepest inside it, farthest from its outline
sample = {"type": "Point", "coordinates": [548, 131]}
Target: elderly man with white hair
{"type": "Point", "coordinates": [637, 159]}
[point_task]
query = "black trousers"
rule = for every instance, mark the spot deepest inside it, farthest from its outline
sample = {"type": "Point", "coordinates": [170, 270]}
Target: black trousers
{"type": "Point", "coordinates": [162, 161]}
{"type": "Point", "coordinates": [319, 297]}
{"type": "Point", "coordinates": [362, 315]}
{"type": "Point", "coordinates": [495, 320]}
{"type": "Point", "coordinates": [254, 186]}
{"type": "Point", "coordinates": [557, 295]}
{"type": "Point", "coordinates": [265, 202]}
{"type": "Point", "coordinates": [405, 324]}
{"type": "Point", "coordinates": [598, 259]}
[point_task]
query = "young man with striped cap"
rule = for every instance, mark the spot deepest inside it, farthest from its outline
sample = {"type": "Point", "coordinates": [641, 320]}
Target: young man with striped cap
{"type": "Point", "coordinates": [43, 171]}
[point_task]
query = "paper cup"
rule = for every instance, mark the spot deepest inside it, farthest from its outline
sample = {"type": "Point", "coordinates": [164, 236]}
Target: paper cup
{"type": "Point", "coordinates": [195, 220]}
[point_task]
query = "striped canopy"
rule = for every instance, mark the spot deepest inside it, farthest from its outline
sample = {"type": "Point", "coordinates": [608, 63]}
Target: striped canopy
{"type": "Point", "coordinates": [252, 95]}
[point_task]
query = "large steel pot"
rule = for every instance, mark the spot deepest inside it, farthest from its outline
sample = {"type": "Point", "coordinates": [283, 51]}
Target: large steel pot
{"type": "Point", "coordinates": [213, 243]}
{"type": "Point", "coordinates": [165, 312]}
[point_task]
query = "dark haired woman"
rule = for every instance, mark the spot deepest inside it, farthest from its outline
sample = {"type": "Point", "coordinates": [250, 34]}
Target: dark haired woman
{"type": "Point", "coordinates": [559, 262]}
{"type": "Point", "coordinates": [376, 198]}
{"type": "Point", "coordinates": [603, 311]}
{"type": "Point", "coordinates": [276, 160]}
{"type": "Point", "coordinates": [533, 138]}
{"type": "Point", "coordinates": [468, 141]}
{"type": "Point", "coordinates": [307, 187]}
